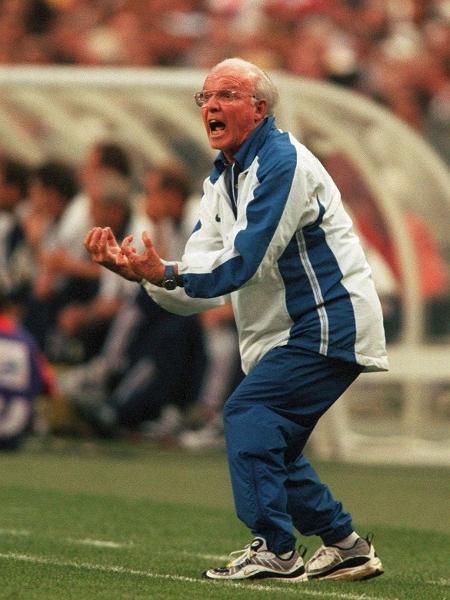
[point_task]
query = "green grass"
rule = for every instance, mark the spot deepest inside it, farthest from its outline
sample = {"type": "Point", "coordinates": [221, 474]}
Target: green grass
{"type": "Point", "coordinates": [88, 522]}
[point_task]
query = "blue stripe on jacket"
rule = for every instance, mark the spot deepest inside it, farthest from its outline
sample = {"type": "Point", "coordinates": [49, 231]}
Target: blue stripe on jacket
{"type": "Point", "coordinates": [337, 324]}
{"type": "Point", "coordinates": [300, 301]}
{"type": "Point", "coordinates": [338, 306]}
{"type": "Point", "coordinates": [274, 174]}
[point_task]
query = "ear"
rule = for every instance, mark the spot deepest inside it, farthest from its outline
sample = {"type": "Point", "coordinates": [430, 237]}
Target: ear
{"type": "Point", "coordinates": [260, 110]}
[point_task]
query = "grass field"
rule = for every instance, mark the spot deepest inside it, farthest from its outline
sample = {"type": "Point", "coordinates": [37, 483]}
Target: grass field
{"type": "Point", "coordinates": [93, 522]}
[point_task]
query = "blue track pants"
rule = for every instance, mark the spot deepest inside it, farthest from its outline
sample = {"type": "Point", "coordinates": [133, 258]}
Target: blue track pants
{"type": "Point", "coordinates": [268, 420]}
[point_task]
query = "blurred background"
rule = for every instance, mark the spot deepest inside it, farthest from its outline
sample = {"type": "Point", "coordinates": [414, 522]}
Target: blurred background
{"type": "Point", "coordinates": [98, 127]}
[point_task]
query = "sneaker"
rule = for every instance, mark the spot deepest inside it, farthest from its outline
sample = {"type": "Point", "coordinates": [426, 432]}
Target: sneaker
{"type": "Point", "coordinates": [256, 562]}
{"type": "Point", "coordinates": [165, 427]}
{"type": "Point", "coordinates": [350, 564]}
{"type": "Point", "coordinates": [210, 436]}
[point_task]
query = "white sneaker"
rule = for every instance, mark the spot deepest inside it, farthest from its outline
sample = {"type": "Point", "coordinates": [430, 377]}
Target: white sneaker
{"type": "Point", "coordinates": [351, 564]}
{"type": "Point", "coordinates": [256, 562]}
{"type": "Point", "coordinates": [166, 425]}
{"type": "Point", "coordinates": [208, 437]}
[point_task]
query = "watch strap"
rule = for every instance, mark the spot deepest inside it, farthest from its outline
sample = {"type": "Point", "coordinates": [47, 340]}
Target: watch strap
{"type": "Point", "coordinates": [170, 280]}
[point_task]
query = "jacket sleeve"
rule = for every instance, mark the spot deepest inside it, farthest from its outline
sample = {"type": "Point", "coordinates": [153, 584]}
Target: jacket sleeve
{"type": "Point", "coordinates": [212, 267]}
{"type": "Point", "coordinates": [178, 302]}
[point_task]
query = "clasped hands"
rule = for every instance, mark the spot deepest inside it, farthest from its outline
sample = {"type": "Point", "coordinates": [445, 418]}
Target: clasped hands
{"type": "Point", "coordinates": [123, 259]}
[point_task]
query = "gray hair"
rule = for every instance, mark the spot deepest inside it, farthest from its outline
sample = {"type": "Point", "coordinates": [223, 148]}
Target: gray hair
{"type": "Point", "coordinates": [265, 89]}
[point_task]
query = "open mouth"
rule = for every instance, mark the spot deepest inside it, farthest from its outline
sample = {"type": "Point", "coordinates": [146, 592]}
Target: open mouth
{"type": "Point", "coordinates": [216, 126]}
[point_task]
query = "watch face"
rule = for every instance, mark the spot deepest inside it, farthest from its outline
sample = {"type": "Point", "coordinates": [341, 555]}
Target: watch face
{"type": "Point", "coordinates": [169, 284]}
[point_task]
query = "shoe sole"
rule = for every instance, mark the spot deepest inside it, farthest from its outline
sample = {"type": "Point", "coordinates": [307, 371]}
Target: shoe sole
{"type": "Point", "coordinates": [293, 578]}
{"type": "Point", "coordinates": [303, 577]}
{"type": "Point", "coordinates": [372, 568]}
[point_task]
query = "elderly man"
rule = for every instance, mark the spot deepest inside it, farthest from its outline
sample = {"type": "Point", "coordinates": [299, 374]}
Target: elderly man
{"type": "Point", "coordinates": [272, 233]}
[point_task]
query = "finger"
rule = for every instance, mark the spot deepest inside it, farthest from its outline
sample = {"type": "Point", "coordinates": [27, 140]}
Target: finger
{"type": "Point", "coordinates": [147, 241]}
{"type": "Point", "coordinates": [127, 240]}
{"type": "Point", "coordinates": [89, 236]}
{"type": "Point", "coordinates": [103, 239]}
{"type": "Point", "coordinates": [122, 260]}
{"type": "Point", "coordinates": [126, 248]}
{"type": "Point", "coordinates": [126, 243]}
{"type": "Point", "coordinates": [92, 239]}
{"type": "Point", "coordinates": [110, 238]}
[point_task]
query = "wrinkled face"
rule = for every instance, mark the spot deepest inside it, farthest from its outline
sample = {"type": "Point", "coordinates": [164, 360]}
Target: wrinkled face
{"type": "Point", "coordinates": [228, 124]}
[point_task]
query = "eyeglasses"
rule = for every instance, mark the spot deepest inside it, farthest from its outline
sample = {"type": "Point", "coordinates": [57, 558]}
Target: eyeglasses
{"type": "Point", "coordinates": [223, 96]}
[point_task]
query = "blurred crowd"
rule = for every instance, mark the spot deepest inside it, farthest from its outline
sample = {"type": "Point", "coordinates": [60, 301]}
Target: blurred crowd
{"type": "Point", "coordinates": [123, 366]}
{"type": "Point", "coordinates": [394, 51]}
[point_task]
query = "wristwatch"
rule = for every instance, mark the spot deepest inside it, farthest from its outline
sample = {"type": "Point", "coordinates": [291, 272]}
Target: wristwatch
{"type": "Point", "coordinates": [169, 281]}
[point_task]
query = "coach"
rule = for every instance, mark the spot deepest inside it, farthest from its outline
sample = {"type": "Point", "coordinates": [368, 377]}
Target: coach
{"type": "Point", "coordinates": [273, 233]}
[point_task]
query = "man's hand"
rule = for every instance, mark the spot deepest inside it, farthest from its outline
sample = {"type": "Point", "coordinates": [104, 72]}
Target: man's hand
{"type": "Point", "coordinates": [147, 265]}
{"type": "Point", "coordinates": [104, 250]}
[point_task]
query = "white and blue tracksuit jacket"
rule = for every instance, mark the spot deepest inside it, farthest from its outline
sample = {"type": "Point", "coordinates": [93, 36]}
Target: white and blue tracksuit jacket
{"type": "Point", "coordinates": [274, 234]}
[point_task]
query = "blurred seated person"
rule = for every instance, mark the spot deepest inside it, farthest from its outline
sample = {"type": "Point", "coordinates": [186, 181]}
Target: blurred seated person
{"type": "Point", "coordinates": [24, 375]}
{"type": "Point", "coordinates": [16, 264]}
{"type": "Point", "coordinates": [66, 262]}
{"type": "Point", "coordinates": [66, 273]}
{"type": "Point", "coordinates": [52, 187]}
{"type": "Point", "coordinates": [101, 157]}
{"type": "Point", "coordinates": [222, 376]}
{"type": "Point", "coordinates": [87, 320]}
{"type": "Point", "coordinates": [131, 381]}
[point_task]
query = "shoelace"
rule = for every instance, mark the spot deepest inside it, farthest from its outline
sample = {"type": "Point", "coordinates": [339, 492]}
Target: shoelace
{"type": "Point", "coordinates": [322, 553]}
{"type": "Point", "coordinates": [241, 556]}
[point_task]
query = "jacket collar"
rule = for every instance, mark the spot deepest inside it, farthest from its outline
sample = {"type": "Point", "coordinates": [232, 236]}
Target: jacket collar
{"type": "Point", "coordinates": [247, 152]}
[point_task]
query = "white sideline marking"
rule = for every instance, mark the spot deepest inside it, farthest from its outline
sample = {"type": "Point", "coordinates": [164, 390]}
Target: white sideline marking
{"type": "Point", "coordinates": [42, 560]}
{"type": "Point", "coordinates": [441, 581]}
{"type": "Point", "coordinates": [17, 532]}
{"type": "Point", "coordinates": [83, 542]}
{"type": "Point", "coordinates": [216, 557]}
{"type": "Point", "coordinates": [98, 543]}
{"type": "Point", "coordinates": [107, 544]}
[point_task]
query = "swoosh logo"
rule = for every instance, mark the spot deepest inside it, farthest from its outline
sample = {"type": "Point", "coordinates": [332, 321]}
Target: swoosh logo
{"type": "Point", "coordinates": [250, 570]}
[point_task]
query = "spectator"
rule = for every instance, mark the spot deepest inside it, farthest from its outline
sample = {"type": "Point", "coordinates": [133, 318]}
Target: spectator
{"type": "Point", "coordinates": [66, 262]}
{"type": "Point", "coordinates": [87, 319]}
{"type": "Point", "coordinates": [16, 264]}
{"type": "Point", "coordinates": [52, 187]}
{"type": "Point", "coordinates": [24, 374]}
{"type": "Point", "coordinates": [130, 383]}
{"type": "Point", "coordinates": [223, 374]}
{"type": "Point", "coordinates": [69, 256]}
{"type": "Point", "coordinates": [102, 157]}
{"type": "Point", "coordinates": [358, 44]}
